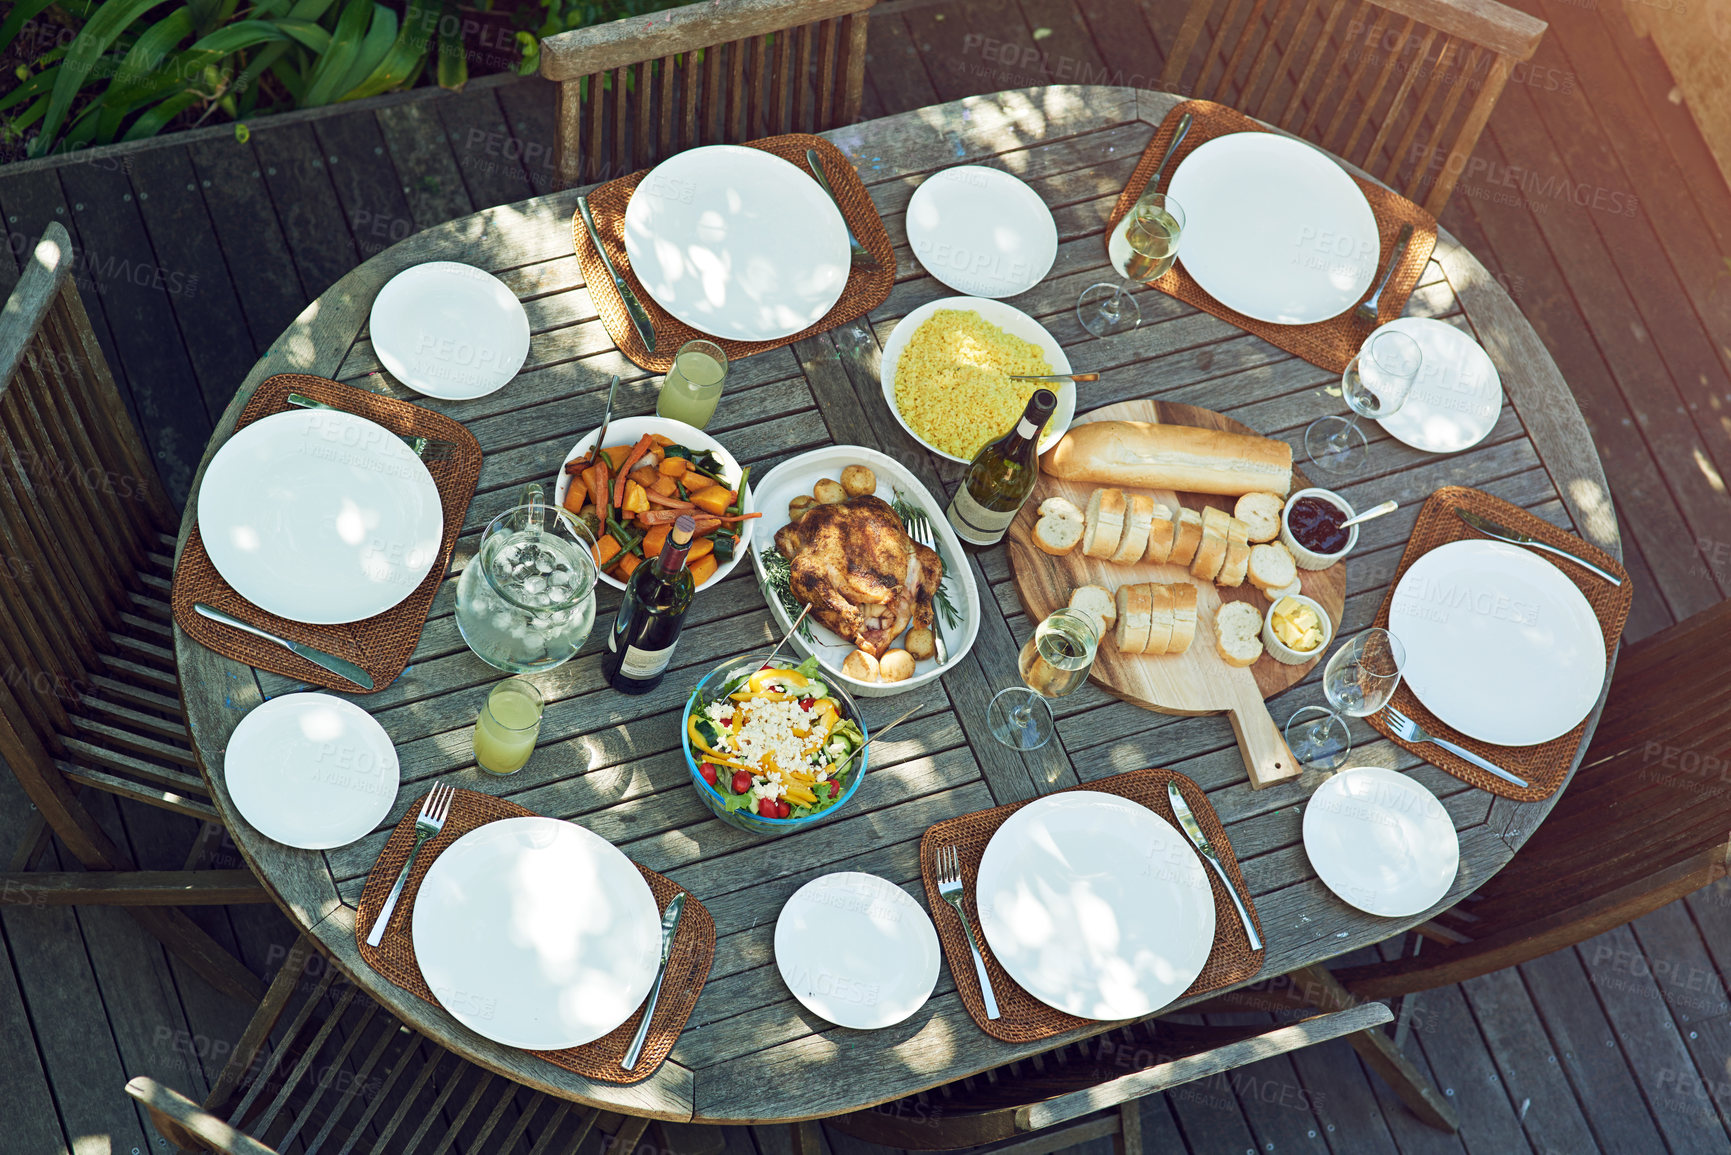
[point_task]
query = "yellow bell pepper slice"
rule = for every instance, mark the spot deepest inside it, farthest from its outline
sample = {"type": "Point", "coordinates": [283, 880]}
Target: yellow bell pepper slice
{"type": "Point", "coordinates": [790, 678]}
{"type": "Point", "coordinates": [800, 794]}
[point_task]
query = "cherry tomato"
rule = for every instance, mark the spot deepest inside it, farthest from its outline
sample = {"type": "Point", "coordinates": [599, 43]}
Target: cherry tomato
{"type": "Point", "coordinates": [805, 703]}
{"type": "Point", "coordinates": [783, 810]}
{"type": "Point", "coordinates": [741, 781]}
{"type": "Point", "coordinates": [766, 807]}
{"type": "Point", "coordinates": [834, 789]}
{"type": "Point", "coordinates": [707, 769]}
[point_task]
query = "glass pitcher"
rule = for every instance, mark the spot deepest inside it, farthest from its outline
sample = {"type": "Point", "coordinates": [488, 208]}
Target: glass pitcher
{"type": "Point", "coordinates": [526, 600]}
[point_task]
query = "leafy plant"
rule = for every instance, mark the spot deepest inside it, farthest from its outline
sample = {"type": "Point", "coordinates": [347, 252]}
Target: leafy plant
{"type": "Point", "coordinates": [136, 65]}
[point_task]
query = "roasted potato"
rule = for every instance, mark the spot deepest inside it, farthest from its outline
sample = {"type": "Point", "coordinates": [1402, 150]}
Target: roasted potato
{"type": "Point", "coordinates": [829, 491]}
{"type": "Point", "coordinates": [861, 666]}
{"type": "Point", "coordinates": [800, 506]}
{"type": "Point", "coordinates": [858, 481]}
{"type": "Point", "coordinates": [896, 666]}
{"type": "Point", "coordinates": [920, 643]}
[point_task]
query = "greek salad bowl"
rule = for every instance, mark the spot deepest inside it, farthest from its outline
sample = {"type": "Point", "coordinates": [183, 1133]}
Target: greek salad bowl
{"type": "Point", "coordinates": [773, 749]}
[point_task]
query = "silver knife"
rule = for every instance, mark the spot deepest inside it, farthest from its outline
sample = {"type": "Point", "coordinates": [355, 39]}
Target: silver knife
{"type": "Point", "coordinates": [1515, 537]}
{"type": "Point", "coordinates": [1200, 840]}
{"type": "Point", "coordinates": [860, 254]}
{"type": "Point", "coordinates": [669, 924]}
{"type": "Point", "coordinates": [606, 418]}
{"type": "Point", "coordinates": [330, 662]}
{"type": "Point", "coordinates": [1178, 134]}
{"type": "Point", "coordinates": [639, 318]}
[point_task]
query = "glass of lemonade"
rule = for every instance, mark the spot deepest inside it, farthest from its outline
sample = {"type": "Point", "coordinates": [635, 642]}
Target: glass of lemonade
{"type": "Point", "coordinates": [693, 385]}
{"type": "Point", "coordinates": [1055, 662]}
{"type": "Point", "coordinates": [508, 726]}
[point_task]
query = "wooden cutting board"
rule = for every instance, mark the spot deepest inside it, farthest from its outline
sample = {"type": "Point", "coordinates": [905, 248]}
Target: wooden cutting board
{"type": "Point", "coordinates": [1197, 681]}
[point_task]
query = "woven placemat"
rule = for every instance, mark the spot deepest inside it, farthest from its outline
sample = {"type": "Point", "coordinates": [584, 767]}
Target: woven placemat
{"type": "Point", "coordinates": [1024, 1018]}
{"type": "Point", "coordinates": [1331, 343]}
{"type": "Point", "coordinates": [381, 645]}
{"type": "Point", "coordinates": [1546, 765]}
{"type": "Point", "coordinates": [394, 957]}
{"type": "Point", "coordinates": [866, 288]}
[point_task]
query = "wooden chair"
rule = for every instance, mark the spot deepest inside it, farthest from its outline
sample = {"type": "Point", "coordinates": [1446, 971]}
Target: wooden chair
{"type": "Point", "coordinates": [635, 91]}
{"type": "Point", "coordinates": [1056, 1100]}
{"type": "Point", "coordinates": [1384, 85]}
{"type": "Point", "coordinates": [89, 698]}
{"type": "Point", "coordinates": [323, 1068]}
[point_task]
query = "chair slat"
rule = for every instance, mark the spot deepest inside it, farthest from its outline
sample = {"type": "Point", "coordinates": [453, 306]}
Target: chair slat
{"type": "Point", "coordinates": [829, 33]}
{"type": "Point", "coordinates": [409, 1099]}
{"type": "Point", "coordinates": [183, 801]}
{"type": "Point", "coordinates": [1318, 52]}
{"type": "Point", "coordinates": [128, 740]}
{"type": "Point", "coordinates": [1217, 49]}
{"type": "Point", "coordinates": [851, 83]}
{"type": "Point", "coordinates": [757, 106]}
{"type": "Point", "coordinates": [309, 1053]}
{"type": "Point", "coordinates": [482, 1087]}
{"type": "Point", "coordinates": [736, 92]}
{"type": "Point", "coordinates": [665, 142]}
{"type": "Point", "coordinates": [1397, 102]}
{"type": "Point", "coordinates": [1351, 96]}
{"type": "Point", "coordinates": [353, 1033]}
{"type": "Point", "coordinates": [780, 116]}
{"type": "Point", "coordinates": [688, 101]}
{"type": "Point", "coordinates": [714, 116]}
{"type": "Point", "coordinates": [620, 77]}
{"type": "Point", "coordinates": [642, 137]}
{"type": "Point", "coordinates": [802, 79]}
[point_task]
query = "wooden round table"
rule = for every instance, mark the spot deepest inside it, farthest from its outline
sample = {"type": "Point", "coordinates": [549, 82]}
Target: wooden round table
{"type": "Point", "coordinates": [750, 1053]}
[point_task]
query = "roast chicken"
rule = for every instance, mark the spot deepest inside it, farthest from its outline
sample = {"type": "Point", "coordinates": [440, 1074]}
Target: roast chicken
{"type": "Point", "coordinates": [863, 577]}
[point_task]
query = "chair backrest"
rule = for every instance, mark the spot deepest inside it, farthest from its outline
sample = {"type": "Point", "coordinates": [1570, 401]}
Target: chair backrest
{"type": "Point", "coordinates": [633, 92]}
{"type": "Point", "coordinates": [1401, 88]}
{"type": "Point", "coordinates": [81, 509]}
{"type": "Point", "coordinates": [1645, 820]}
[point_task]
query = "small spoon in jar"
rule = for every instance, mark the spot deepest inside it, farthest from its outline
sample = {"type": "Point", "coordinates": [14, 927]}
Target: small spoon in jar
{"type": "Point", "coordinates": [1372, 513]}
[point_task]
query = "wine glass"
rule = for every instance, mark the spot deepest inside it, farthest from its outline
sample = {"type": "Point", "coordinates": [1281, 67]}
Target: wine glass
{"type": "Point", "coordinates": [1055, 662]}
{"type": "Point", "coordinates": [1375, 384]}
{"type": "Point", "coordinates": [1143, 248]}
{"type": "Point", "coordinates": [1359, 680]}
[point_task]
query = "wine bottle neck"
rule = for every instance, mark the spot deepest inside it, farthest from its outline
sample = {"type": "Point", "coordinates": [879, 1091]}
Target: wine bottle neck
{"type": "Point", "coordinates": [672, 558]}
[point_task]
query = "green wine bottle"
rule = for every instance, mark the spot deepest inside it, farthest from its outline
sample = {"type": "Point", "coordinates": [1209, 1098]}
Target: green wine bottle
{"type": "Point", "coordinates": [1001, 477]}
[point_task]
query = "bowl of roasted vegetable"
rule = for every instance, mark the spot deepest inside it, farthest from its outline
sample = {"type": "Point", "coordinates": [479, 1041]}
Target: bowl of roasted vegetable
{"type": "Point", "coordinates": [650, 471]}
{"type": "Point", "coordinates": [773, 748]}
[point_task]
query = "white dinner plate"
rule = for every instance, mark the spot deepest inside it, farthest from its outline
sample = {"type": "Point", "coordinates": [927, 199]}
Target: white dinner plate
{"type": "Point", "coordinates": [320, 516]}
{"type": "Point", "coordinates": [536, 933]}
{"type": "Point", "coordinates": [1012, 321]}
{"type": "Point", "coordinates": [1274, 228]}
{"type": "Point", "coordinates": [1095, 905]}
{"type": "Point", "coordinates": [1499, 643]}
{"type": "Point", "coordinates": [311, 770]}
{"type": "Point", "coordinates": [982, 231]}
{"type": "Point", "coordinates": [449, 330]}
{"type": "Point", "coordinates": [1458, 394]}
{"type": "Point", "coordinates": [856, 950]}
{"type": "Point", "coordinates": [737, 243]}
{"type": "Point", "coordinates": [1381, 841]}
{"type": "Point", "coordinates": [796, 476]}
{"type": "Point", "coordinates": [627, 431]}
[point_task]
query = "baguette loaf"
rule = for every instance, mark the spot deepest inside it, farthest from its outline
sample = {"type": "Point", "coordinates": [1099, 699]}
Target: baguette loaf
{"type": "Point", "coordinates": [1160, 622]}
{"type": "Point", "coordinates": [1183, 617]}
{"type": "Point", "coordinates": [1135, 611]}
{"type": "Point", "coordinates": [1176, 457]}
{"type": "Point", "coordinates": [1212, 552]}
{"type": "Point", "coordinates": [1137, 523]}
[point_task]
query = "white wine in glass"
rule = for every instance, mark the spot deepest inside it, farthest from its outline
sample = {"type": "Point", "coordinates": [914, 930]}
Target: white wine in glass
{"type": "Point", "coordinates": [1055, 662]}
{"type": "Point", "coordinates": [1153, 239]}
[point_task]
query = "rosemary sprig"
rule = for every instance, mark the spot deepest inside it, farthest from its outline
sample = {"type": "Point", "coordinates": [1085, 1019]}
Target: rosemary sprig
{"type": "Point", "coordinates": [905, 510]}
{"type": "Point", "coordinates": [778, 576]}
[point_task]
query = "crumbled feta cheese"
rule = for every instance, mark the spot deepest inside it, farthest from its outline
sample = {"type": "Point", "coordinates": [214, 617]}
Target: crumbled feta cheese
{"type": "Point", "coordinates": [768, 736]}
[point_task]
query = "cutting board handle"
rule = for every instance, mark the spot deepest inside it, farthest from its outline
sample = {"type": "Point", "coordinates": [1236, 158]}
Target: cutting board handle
{"type": "Point", "coordinates": [1266, 756]}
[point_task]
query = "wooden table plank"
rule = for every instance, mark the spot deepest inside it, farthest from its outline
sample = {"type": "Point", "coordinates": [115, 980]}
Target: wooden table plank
{"type": "Point", "coordinates": [618, 769]}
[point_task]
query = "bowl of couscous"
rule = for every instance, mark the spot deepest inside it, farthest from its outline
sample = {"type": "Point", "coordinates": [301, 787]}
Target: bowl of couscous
{"type": "Point", "coordinates": [946, 370]}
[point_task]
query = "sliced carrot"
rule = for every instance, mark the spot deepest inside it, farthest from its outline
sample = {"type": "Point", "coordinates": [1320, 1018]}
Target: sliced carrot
{"type": "Point", "coordinates": [674, 466]}
{"type": "Point", "coordinates": [703, 569]}
{"type": "Point", "coordinates": [636, 497]}
{"type": "Point", "coordinates": [629, 563]}
{"type": "Point", "coordinates": [662, 517]}
{"type": "Point", "coordinates": [654, 540]}
{"type": "Point", "coordinates": [605, 551]}
{"type": "Point", "coordinates": [595, 478]}
{"type": "Point", "coordinates": [616, 455]}
{"type": "Point", "coordinates": [736, 518]}
{"type": "Point", "coordinates": [700, 548]}
{"type": "Point", "coordinates": [578, 464]}
{"type": "Point", "coordinates": [707, 524]}
{"type": "Point", "coordinates": [695, 481]}
{"type": "Point", "coordinates": [661, 440]}
{"type": "Point", "coordinates": [631, 460]}
{"type": "Point", "coordinates": [714, 500]}
{"type": "Point", "coordinates": [670, 502]}
{"type": "Point", "coordinates": [576, 496]}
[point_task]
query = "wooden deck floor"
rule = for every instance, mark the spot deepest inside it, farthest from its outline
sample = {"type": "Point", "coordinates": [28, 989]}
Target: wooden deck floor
{"type": "Point", "coordinates": [196, 252]}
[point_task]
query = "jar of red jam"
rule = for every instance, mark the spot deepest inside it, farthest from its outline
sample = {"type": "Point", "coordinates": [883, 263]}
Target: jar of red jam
{"type": "Point", "coordinates": [1310, 527]}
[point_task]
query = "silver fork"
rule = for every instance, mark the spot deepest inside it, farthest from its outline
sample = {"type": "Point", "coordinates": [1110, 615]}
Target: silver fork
{"type": "Point", "coordinates": [949, 864]}
{"type": "Point", "coordinates": [434, 810]}
{"type": "Point", "coordinates": [1408, 730]}
{"type": "Point", "coordinates": [921, 531]}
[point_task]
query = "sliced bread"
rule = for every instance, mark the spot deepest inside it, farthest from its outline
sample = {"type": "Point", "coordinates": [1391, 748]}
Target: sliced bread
{"type": "Point", "coordinates": [1237, 561]}
{"type": "Point", "coordinates": [1186, 538]}
{"type": "Point", "coordinates": [1136, 527]}
{"type": "Point", "coordinates": [1261, 511]}
{"type": "Point", "coordinates": [1183, 617]}
{"type": "Point", "coordinates": [1272, 567]}
{"type": "Point", "coordinates": [1212, 550]}
{"type": "Point", "coordinates": [1274, 595]}
{"type": "Point", "coordinates": [1059, 533]}
{"type": "Point", "coordinates": [1160, 622]}
{"type": "Point", "coordinates": [1105, 517]}
{"type": "Point", "coordinates": [1097, 603]}
{"type": "Point", "coordinates": [1160, 533]}
{"type": "Point", "coordinates": [1135, 613]}
{"type": "Point", "coordinates": [1238, 633]}
{"type": "Point", "coordinates": [1060, 507]}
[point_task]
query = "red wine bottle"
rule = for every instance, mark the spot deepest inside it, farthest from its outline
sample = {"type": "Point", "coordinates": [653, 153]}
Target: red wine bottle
{"type": "Point", "coordinates": [646, 629]}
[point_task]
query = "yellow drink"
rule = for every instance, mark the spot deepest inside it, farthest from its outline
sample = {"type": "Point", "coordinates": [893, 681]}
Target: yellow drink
{"type": "Point", "coordinates": [510, 722]}
{"type": "Point", "coordinates": [693, 385]}
{"type": "Point", "coordinates": [1153, 239]}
